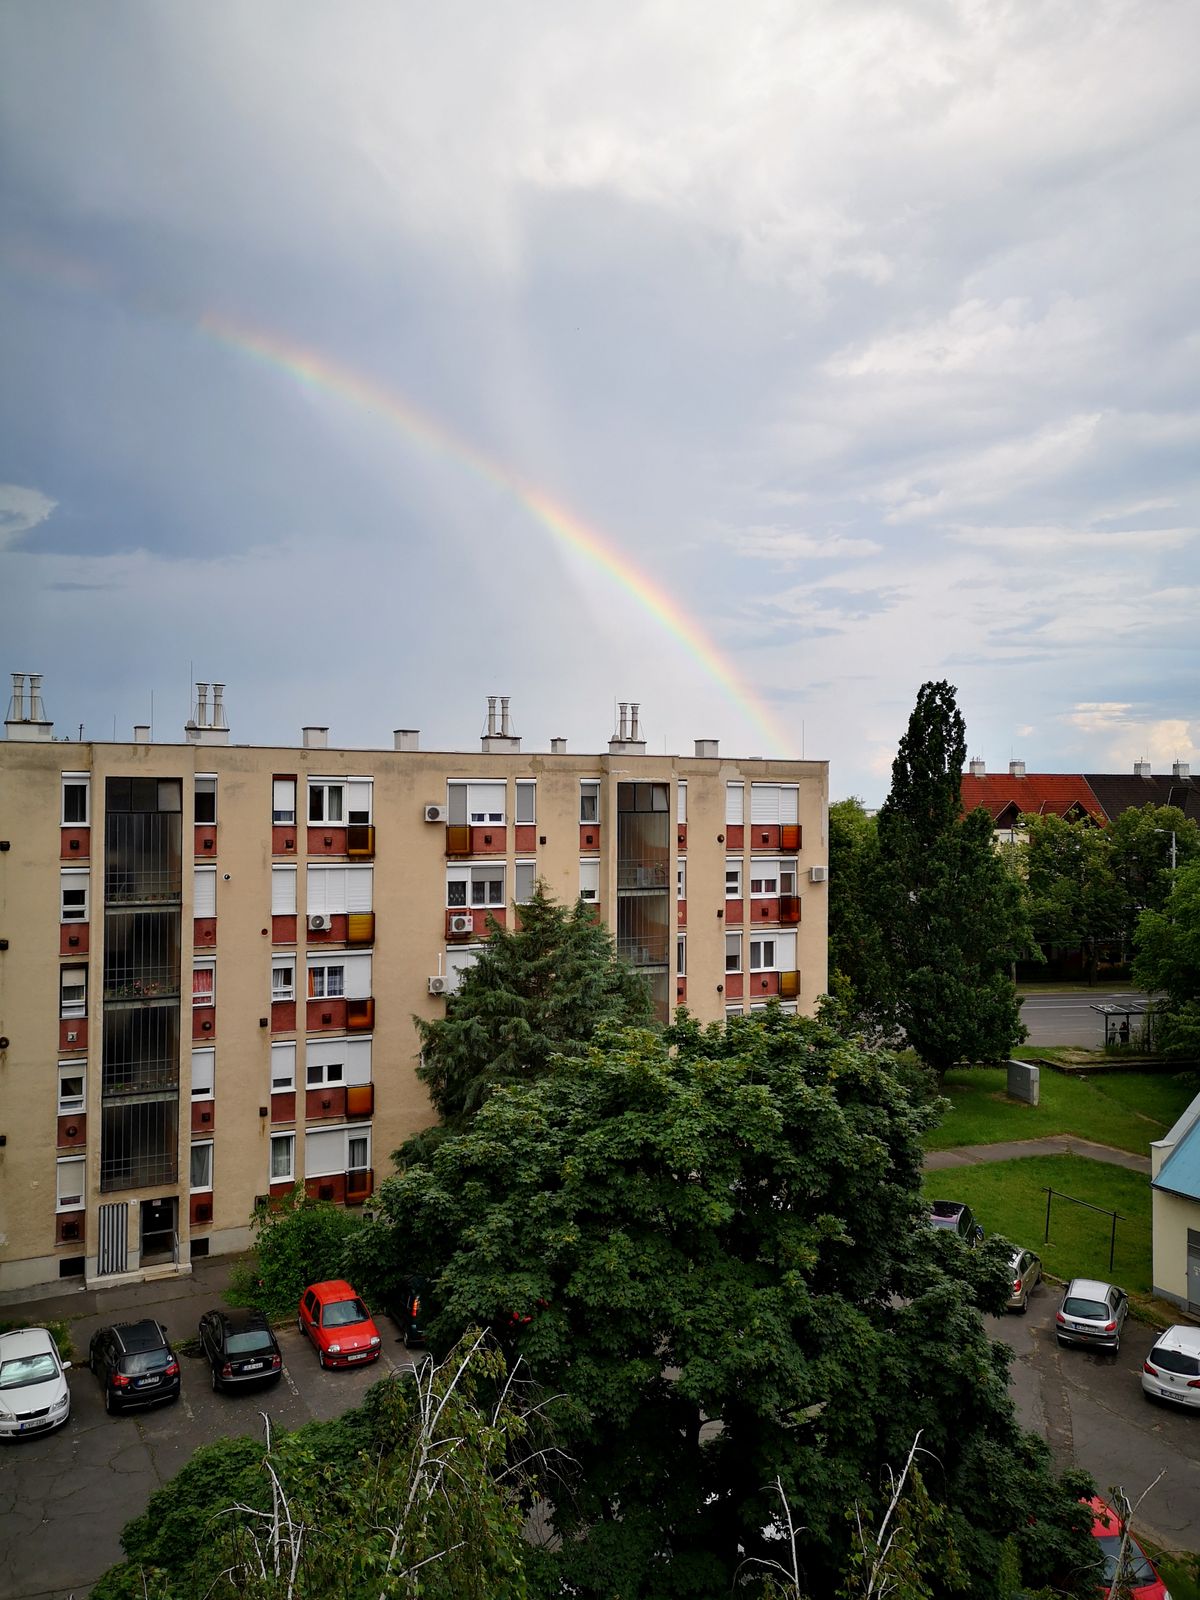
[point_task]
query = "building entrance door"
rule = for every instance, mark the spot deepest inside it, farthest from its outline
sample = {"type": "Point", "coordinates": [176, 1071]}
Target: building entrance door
{"type": "Point", "coordinates": [159, 1241]}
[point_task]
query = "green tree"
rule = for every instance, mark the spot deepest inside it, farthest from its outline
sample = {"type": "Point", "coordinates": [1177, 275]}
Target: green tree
{"type": "Point", "coordinates": [541, 989]}
{"type": "Point", "coordinates": [1140, 847]}
{"type": "Point", "coordinates": [708, 1242]}
{"type": "Point", "coordinates": [1073, 895]}
{"type": "Point", "coordinates": [857, 965]}
{"type": "Point", "coordinates": [952, 910]}
{"type": "Point", "coordinates": [1167, 962]}
{"type": "Point", "coordinates": [297, 1241]}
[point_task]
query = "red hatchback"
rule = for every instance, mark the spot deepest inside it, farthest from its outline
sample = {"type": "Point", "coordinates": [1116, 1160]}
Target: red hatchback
{"type": "Point", "coordinates": [338, 1323]}
{"type": "Point", "coordinates": [1144, 1582]}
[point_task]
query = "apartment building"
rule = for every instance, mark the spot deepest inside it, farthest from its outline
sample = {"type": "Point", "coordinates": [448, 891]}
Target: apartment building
{"type": "Point", "coordinates": [211, 954]}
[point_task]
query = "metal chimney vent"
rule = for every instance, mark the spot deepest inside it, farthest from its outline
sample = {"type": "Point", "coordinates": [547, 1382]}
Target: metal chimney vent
{"type": "Point", "coordinates": [978, 767]}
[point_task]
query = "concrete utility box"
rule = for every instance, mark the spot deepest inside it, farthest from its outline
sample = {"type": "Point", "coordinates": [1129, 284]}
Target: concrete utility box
{"type": "Point", "coordinates": [1024, 1081]}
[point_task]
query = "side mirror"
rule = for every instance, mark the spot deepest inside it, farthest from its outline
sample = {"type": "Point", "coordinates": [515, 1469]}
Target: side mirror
{"type": "Point", "coordinates": [978, 1233]}
{"type": "Point", "coordinates": [65, 1365]}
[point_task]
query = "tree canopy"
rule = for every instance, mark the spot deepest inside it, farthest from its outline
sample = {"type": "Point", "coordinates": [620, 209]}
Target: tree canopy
{"type": "Point", "coordinates": [857, 972]}
{"type": "Point", "coordinates": [1167, 963]}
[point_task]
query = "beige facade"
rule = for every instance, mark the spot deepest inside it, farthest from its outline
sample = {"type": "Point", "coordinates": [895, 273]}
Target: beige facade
{"type": "Point", "coordinates": [156, 989]}
{"type": "Point", "coordinates": [1175, 1212]}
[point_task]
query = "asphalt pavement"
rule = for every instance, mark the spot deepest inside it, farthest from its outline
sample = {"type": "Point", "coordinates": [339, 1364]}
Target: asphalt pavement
{"type": "Point", "coordinates": [1068, 1018]}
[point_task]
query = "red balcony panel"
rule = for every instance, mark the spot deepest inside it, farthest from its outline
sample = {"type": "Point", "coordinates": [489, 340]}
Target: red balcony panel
{"type": "Point", "coordinates": [735, 836]}
{"type": "Point", "coordinates": [283, 929]}
{"type": "Point", "coordinates": [594, 909]}
{"type": "Point", "coordinates": [789, 985]}
{"type": "Point", "coordinates": [489, 841]}
{"type": "Point", "coordinates": [283, 1016]}
{"type": "Point", "coordinates": [75, 844]}
{"type": "Point", "coordinates": [360, 1099]}
{"type": "Point", "coordinates": [681, 835]}
{"type": "Point", "coordinates": [458, 839]}
{"type": "Point", "coordinates": [73, 939]}
{"type": "Point", "coordinates": [498, 914]}
{"type": "Point", "coordinates": [360, 841]}
{"type": "Point", "coordinates": [335, 933]}
{"type": "Point", "coordinates": [330, 1188]}
{"type": "Point", "coordinates": [204, 1116]}
{"type": "Point", "coordinates": [200, 1210]}
{"type": "Point", "coordinates": [789, 909]}
{"type": "Point", "coordinates": [589, 837]}
{"type": "Point", "coordinates": [280, 1190]}
{"type": "Point", "coordinates": [206, 841]}
{"type": "Point", "coordinates": [791, 836]}
{"type": "Point", "coordinates": [72, 1131]}
{"type": "Point", "coordinates": [681, 991]}
{"type": "Point", "coordinates": [763, 983]}
{"type": "Point", "coordinates": [324, 1104]}
{"type": "Point", "coordinates": [283, 839]}
{"type": "Point", "coordinates": [360, 1185]}
{"type": "Point", "coordinates": [283, 1106]}
{"type": "Point", "coordinates": [733, 986]}
{"type": "Point", "coordinates": [360, 1015]}
{"type": "Point", "coordinates": [360, 927]}
{"type": "Point", "coordinates": [72, 1033]}
{"type": "Point", "coordinates": [204, 1023]}
{"type": "Point", "coordinates": [681, 913]}
{"type": "Point", "coordinates": [764, 833]}
{"type": "Point", "coordinates": [326, 1016]}
{"type": "Point", "coordinates": [525, 838]}
{"type": "Point", "coordinates": [735, 910]}
{"type": "Point", "coordinates": [204, 932]}
{"type": "Point", "coordinates": [764, 910]}
{"type": "Point", "coordinates": [460, 923]}
{"type": "Point", "coordinates": [69, 1227]}
{"type": "Point", "coordinates": [326, 841]}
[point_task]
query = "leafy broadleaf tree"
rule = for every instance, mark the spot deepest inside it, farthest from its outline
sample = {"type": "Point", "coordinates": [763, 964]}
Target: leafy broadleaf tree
{"type": "Point", "coordinates": [1139, 842]}
{"type": "Point", "coordinates": [1074, 899]}
{"type": "Point", "coordinates": [952, 909]}
{"type": "Point", "coordinates": [1167, 962]}
{"type": "Point", "coordinates": [541, 989]}
{"type": "Point", "coordinates": [857, 965]}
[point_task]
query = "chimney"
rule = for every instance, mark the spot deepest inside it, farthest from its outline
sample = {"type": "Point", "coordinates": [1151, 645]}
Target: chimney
{"type": "Point", "coordinates": [315, 738]}
{"type": "Point", "coordinates": [202, 705]}
{"type": "Point", "coordinates": [1141, 769]}
{"type": "Point", "coordinates": [1181, 771]}
{"type": "Point", "coordinates": [1016, 769]}
{"type": "Point", "coordinates": [978, 768]}
{"type": "Point", "coordinates": [499, 739]}
{"type": "Point", "coordinates": [28, 723]}
{"type": "Point", "coordinates": [16, 706]}
{"type": "Point", "coordinates": [407, 739]}
{"type": "Point", "coordinates": [203, 727]}
{"type": "Point", "coordinates": [558, 747]}
{"type": "Point", "coordinates": [218, 709]}
{"type": "Point", "coordinates": [706, 749]}
{"type": "Point", "coordinates": [141, 733]}
{"type": "Point", "coordinates": [627, 741]}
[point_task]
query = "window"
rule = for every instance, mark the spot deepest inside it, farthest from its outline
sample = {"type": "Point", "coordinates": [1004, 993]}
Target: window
{"type": "Point", "coordinates": [681, 956]}
{"type": "Point", "coordinates": [73, 895]}
{"type": "Point", "coordinates": [764, 877]}
{"type": "Point", "coordinates": [75, 799]}
{"type": "Point", "coordinates": [457, 962]}
{"type": "Point", "coordinates": [206, 799]}
{"type": "Point", "coordinates": [526, 802]}
{"type": "Point", "coordinates": [202, 1165]}
{"type": "Point", "coordinates": [204, 984]}
{"type": "Point", "coordinates": [283, 891]}
{"type": "Point", "coordinates": [733, 952]}
{"type": "Point", "coordinates": [326, 982]}
{"type": "Point", "coordinates": [734, 804]}
{"type": "Point", "coordinates": [283, 1157]}
{"type": "Point", "coordinates": [762, 955]}
{"type": "Point", "coordinates": [787, 877]}
{"type": "Point", "coordinates": [72, 1083]}
{"type": "Point", "coordinates": [204, 893]}
{"type": "Point", "coordinates": [283, 979]}
{"type": "Point", "coordinates": [475, 886]}
{"type": "Point", "coordinates": [681, 801]}
{"type": "Point", "coordinates": [524, 881]}
{"type": "Point", "coordinates": [589, 801]}
{"type": "Point", "coordinates": [336, 891]}
{"type": "Point", "coordinates": [72, 989]}
{"type": "Point", "coordinates": [358, 1152]}
{"type": "Point", "coordinates": [318, 1074]}
{"type": "Point", "coordinates": [774, 802]}
{"type": "Point", "coordinates": [589, 880]}
{"type": "Point", "coordinates": [358, 800]}
{"type": "Point", "coordinates": [283, 1068]}
{"type": "Point", "coordinates": [776, 954]}
{"type": "Point", "coordinates": [204, 1070]}
{"type": "Point", "coordinates": [325, 801]}
{"type": "Point", "coordinates": [283, 800]}
{"type": "Point", "coordinates": [480, 804]}
{"type": "Point", "coordinates": [681, 880]}
{"type": "Point", "coordinates": [330, 1151]}
{"type": "Point", "coordinates": [733, 880]}
{"type": "Point", "coordinates": [70, 1176]}
{"type": "Point", "coordinates": [331, 1061]}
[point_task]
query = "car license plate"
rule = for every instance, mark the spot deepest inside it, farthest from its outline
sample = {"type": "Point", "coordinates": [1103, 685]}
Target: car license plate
{"type": "Point", "coordinates": [145, 1383]}
{"type": "Point", "coordinates": [357, 1355]}
{"type": "Point", "coordinates": [28, 1427]}
{"type": "Point", "coordinates": [252, 1366]}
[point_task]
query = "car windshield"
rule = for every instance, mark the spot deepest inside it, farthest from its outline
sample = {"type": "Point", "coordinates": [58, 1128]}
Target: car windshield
{"type": "Point", "coordinates": [135, 1361]}
{"type": "Point", "coordinates": [1096, 1310]}
{"type": "Point", "coordinates": [20, 1370]}
{"type": "Point", "coordinates": [1138, 1569]}
{"type": "Point", "coordinates": [1176, 1361]}
{"type": "Point", "coordinates": [343, 1312]}
{"type": "Point", "coordinates": [240, 1344]}
{"type": "Point", "coordinates": [946, 1211]}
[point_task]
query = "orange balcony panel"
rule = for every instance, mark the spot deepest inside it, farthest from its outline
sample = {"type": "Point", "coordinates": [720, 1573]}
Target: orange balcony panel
{"type": "Point", "coordinates": [764, 833]}
{"type": "Point", "coordinates": [206, 841]}
{"type": "Point", "coordinates": [331, 1188]}
{"type": "Point", "coordinates": [204, 1023]}
{"type": "Point", "coordinates": [326, 841]}
{"type": "Point", "coordinates": [360, 1185]}
{"type": "Point", "coordinates": [76, 844]}
{"type": "Point", "coordinates": [335, 933]}
{"type": "Point", "coordinates": [764, 910]}
{"type": "Point", "coordinates": [681, 835]}
{"type": "Point", "coordinates": [458, 839]}
{"type": "Point", "coordinates": [360, 1099]}
{"type": "Point", "coordinates": [283, 929]}
{"type": "Point", "coordinates": [789, 985]}
{"type": "Point", "coordinates": [283, 1106]}
{"type": "Point", "coordinates": [72, 1131]}
{"type": "Point", "coordinates": [789, 909]}
{"type": "Point", "coordinates": [791, 836]}
{"type": "Point", "coordinates": [360, 927]}
{"type": "Point", "coordinates": [360, 1015]}
{"type": "Point", "coordinates": [360, 841]}
{"type": "Point", "coordinates": [69, 1227]}
{"type": "Point", "coordinates": [733, 986]}
{"type": "Point", "coordinates": [763, 983]}
{"type": "Point", "coordinates": [735, 911]}
{"type": "Point", "coordinates": [72, 1033]}
{"type": "Point", "coordinates": [283, 1016]}
{"type": "Point", "coordinates": [324, 1104]}
{"type": "Point", "coordinates": [681, 991]}
{"type": "Point", "coordinates": [589, 836]}
{"type": "Point", "coordinates": [204, 932]}
{"type": "Point", "coordinates": [681, 913]}
{"type": "Point", "coordinates": [489, 841]}
{"type": "Point", "coordinates": [735, 836]}
{"type": "Point", "coordinates": [200, 1209]}
{"type": "Point", "coordinates": [204, 1116]}
{"type": "Point", "coordinates": [73, 939]}
{"type": "Point", "coordinates": [326, 1016]}
{"type": "Point", "coordinates": [525, 838]}
{"type": "Point", "coordinates": [283, 839]}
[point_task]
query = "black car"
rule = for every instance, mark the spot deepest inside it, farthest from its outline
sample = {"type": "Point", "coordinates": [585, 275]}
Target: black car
{"type": "Point", "coordinates": [956, 1218]}
{"type": "Point", "coordinates": [135, 1364]}
{"type": "Point", "coordinates": [240, 1348]}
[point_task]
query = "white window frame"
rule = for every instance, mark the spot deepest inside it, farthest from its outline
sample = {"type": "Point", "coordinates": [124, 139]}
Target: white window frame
{"type": "Point", "coordinates": [479, 887]}
{"type": "Point", "coordinates": [732, 939]}
{"type": "Point", "coordinates": [204, 1073]}
{"type": "Point", "coordinates": [206, 876]}
{"type": "Point", "coordinates": [76, 780]}
{"type": "Point", "coordinates": [198, 997]}
{"type": "Point", "coordinates": [209, 780]}
{"type": "Point", "coordinates": [330, 1061]}
{"type": "Point", "coordinates": [318, 1165]}
{"type": "Point", "coordinates": [681, 800]}
{"type": "Point", "coordinates": [320, 791]}
{"type": "Point", "coordinates": [324, 1074]}
{"type": "Point", "coordinates": [339, 890]}
{"type": "Point", "coordinates": [282, 1141]}
{"type": "Point", "coordinates": [70, 881]}
{"type": "Point", "coordinates": [73, 1105]}
{"type": "Point", "coordinates": [779, 961]}
{"type": "Point", "coordinates": [280, 990]}
{"type": "Point", "coordinates": [681, 955]}
{"type": "Point", "coordinates": [75, 1186]}
{"type": "Point", "coordinates": [359, 789]}
{"type": "Point", "coordinates": [680, 878]}
{"type": "Point", "coordinates": [589, 790]}
{"type": "Point", "coordinates": [283, 891]}
{"type": "Point", "coordinates": [733, 869]}
{"type": "Point", "coordinates": [765, 871]}
{"type": "Point", "coordinates": [457, 961]}
{"type": "Point", "coordinates": [525, 802]}
{"type": "Point", "coordinates": [471, 801]}
{"type": "Point", "coordinates": [203, 1187]}
{"type": "Point", "coordinates": [318, 988]}
{"type": "Point", "coordinates": [523, 890]}
{"type": "Point", "coordinates": [589, 879]}
{"type": "Point", "coordinates": [73, 1008]}
{"type": "Point", "coordinates": [735, 805]}
{"type": "Point", "coordinates": [283, 816]}
{"type": "Point", "coordinates": [775, 799]}
{"type": "Point", "coordinates": [359, 1135]}
{"type": "Point", "coordinates": [283, 1067]}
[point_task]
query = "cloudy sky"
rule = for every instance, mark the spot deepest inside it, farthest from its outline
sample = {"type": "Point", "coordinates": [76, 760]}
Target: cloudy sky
{"type": "Point", "coordinates": [755, 362]}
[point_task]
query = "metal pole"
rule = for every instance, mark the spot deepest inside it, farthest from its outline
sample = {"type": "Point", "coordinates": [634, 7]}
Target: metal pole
{"type": "Point", "coordinates": [1049, 1197]}
{"type": "Point", "coordinates": [1112, 1244]}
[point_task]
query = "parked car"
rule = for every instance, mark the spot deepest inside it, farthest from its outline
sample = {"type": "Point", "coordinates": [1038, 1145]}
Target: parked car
{"type": "Point", "coordinates": [34, 1396]}
{"type": "Point", "coordinates": [1092, 1313]}
{"type": "Point", "coordinates": [241, 1349]}
{"type": "Point", "coordinates": [1026, 1275]}
{"type": "Point", "coordinates": [135, 1364]}
{"type": "Point", "coordinates": [1143, 1581]}
{"type": "Point", "coordinates": [1172, 1369]}
{"type": "Point", "coordinates": [337, 1321]}
{"type": "Point", "coordinates": [956, 1218]}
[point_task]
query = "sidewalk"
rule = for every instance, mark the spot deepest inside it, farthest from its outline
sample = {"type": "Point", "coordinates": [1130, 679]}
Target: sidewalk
{"type": "Point", "coordinates": [1055, 1144]}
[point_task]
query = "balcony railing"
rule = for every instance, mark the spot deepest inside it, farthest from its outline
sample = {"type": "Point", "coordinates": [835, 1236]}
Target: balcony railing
{"type": "Point", "coordinates": [141, 888]}
{"type": "Point", "coordinates": [647, 950]}
{"type": "Point", "coordinates": [643, 874]}
{"type": "Point", "coordinates": [122, 985]}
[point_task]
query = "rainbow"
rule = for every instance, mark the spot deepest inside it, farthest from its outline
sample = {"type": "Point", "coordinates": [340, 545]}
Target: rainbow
{"type": "Point", "coordinates": [318, 371]}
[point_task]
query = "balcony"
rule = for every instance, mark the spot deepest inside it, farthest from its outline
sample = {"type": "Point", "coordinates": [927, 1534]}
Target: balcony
{"type": "Point", "coordinates": [360, 1099]}
{"type": "Point", "coordinates": [789, 909]}
{"type": "Point", "coordinates": [148, 984]}
{"type": "Point", "coordinates": [360, 1185]}
{"type": "Point", "coordinates": [327, 840]}
{"type": "Point", "coordinates": [360, 927]}
{"type": "Point", "coordinates": [644, 873]}
{"type": "Point", "coordinates": [360, 841]}
{"type": "Point", "coordinates": [458, 839]}
{"type": "Point", "coordinates": [360, 1015]}
{"type": "Point", "coordinates": [644, 950]}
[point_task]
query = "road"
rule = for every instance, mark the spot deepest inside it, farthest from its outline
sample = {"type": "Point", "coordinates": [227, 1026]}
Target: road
{"type": "Point", "coordinates": [1069, 1019]}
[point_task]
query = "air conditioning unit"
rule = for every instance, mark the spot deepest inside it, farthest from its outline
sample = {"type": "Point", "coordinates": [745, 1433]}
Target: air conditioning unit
{"type": "Point", "coordinates": [462, 922]}
{"type": "Point", "coordinates": [818, 874]}
{"type": "Point", "coordinates": [436, 813]}
{"type": "Point", "coordinates": [439, 985]}
{"type": "Point", "coordinates": [320, 922]}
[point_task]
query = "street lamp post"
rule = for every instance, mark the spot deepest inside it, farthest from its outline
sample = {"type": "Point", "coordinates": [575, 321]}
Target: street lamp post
{"type": "Point", "coordinates": [1171, 831]}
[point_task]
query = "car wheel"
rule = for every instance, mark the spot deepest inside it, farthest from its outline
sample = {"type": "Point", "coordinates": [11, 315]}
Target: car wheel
{"type": "Point", "coordinates": [108, 1401]}
{"type": "Point", "coordinates": [321, 1361]}
{"type": "Point", "coordinates": [1023, 1307]}
{"type": "Point", "coordinates": [216, 1382]}
{"type": "Point", "coordinates": [300, 1325]}
{"type": "Point", "coordinates": [1062, 1343]}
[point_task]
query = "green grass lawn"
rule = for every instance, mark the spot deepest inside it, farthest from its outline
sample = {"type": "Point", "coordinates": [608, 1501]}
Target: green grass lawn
{"type": "Point", "coordinates": [1124, 1109]}
{"type": "Point", "coordinates": [1009, 1197]}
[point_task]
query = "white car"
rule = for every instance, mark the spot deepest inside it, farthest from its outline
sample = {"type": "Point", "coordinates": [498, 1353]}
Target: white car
{"type": "Point", "coordinates": [1172, 1369]}
{"type": "Point", "coordinates": [33, 1383]}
